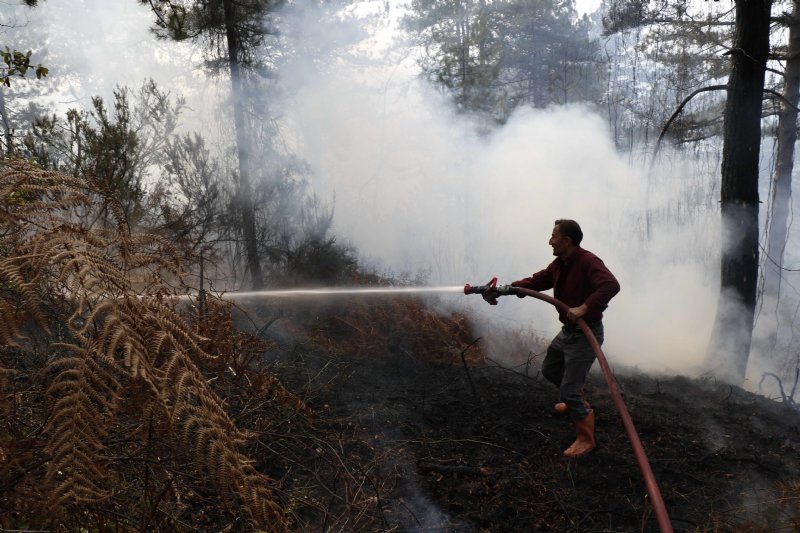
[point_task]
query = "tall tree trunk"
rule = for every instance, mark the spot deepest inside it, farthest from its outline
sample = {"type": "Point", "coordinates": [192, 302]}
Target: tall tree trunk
{"type": "Point", "coordinates": [733, 328]}
{"type": "Point", "coordinates": [245, 190]}
{"type": "Point", "coordinates": [8, 137]}
{"type": "Point", "coordinates": [464, 42]}
{"type": "Point", "coordinates": [782, 186]}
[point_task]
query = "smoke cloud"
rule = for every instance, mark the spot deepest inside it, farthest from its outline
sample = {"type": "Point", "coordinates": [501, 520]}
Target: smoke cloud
{"type": "Point", "coordinates": [417, 189]}
{"type": "Point", "coordinates": [420, 188]}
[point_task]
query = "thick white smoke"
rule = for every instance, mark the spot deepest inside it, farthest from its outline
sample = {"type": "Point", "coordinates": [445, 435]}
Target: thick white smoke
{"type": "Point", "coordinates": [418, 189]}
{"type": "Point", "coordinates": [92, 47]}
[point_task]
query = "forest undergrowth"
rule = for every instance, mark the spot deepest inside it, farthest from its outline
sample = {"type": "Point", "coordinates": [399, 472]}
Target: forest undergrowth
{"type": "Point", "coordinates": [124, 408]}
{"type": "Point", "coordinates": [111, 418]}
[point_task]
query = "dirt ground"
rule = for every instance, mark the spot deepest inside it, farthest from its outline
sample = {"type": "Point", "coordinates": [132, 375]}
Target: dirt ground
{"type": "Point", "coordinates": [459, 450]}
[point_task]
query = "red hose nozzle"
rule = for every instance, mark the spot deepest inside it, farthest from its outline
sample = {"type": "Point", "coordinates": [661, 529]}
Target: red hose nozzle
{"type": "Point", "coordinates": [488, 291]}
{"type": "Point", "coordinates": [480, 289]}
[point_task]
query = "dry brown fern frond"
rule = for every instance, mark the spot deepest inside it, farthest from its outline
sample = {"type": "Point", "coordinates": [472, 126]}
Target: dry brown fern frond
{"type": "Point", "coordinates": [204, 427]}
{"type": "Point", "coordinates": [27, 191]}
{"type": "Point", "coordinates": [9, 324]}
{"type": "Point", "coordinates": [21, 295]}
{"type": "Point", "coordinates": [83, 394]}
{"type": "Point", "coordinates": [235, 351]}
{"type": "Point", "coordinates": [123, 335]}
{"type": "Point", "coordinates": [109, 202]}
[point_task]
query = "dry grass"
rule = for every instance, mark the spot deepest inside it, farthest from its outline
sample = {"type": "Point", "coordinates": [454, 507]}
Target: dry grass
{"type": "Point", "coordinates": [398, 326]}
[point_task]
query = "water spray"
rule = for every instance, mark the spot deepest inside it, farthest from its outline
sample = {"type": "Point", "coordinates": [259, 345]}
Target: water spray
{"type": "Point", "coordinates": [333, 291]}
{"type": "Point", "coordinates": [341, 291]}
{"type": "Point", "coordinates": [491, 291]}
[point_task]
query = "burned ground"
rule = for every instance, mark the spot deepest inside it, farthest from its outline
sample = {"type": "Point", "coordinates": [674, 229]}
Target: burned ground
{"type": "Point", "coordinates": [389, 417]}
{"type": "Point", "coordinates": [451, 449]}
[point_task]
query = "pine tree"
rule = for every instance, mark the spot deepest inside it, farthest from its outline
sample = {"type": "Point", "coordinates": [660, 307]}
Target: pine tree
{"type": "Point", "coordinates": [232, 33]}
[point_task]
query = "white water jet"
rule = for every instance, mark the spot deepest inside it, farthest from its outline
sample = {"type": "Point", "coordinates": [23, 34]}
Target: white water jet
{"type": "Point", "coordinates": [333, 291]}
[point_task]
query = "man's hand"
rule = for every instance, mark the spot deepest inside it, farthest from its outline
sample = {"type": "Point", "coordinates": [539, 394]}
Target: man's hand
{"type": "Point", "coordinates": [574, 313]}
{"type": "Point", "coordinates": [518, 284]}
{"type": "Point", "coordinates": [490, 295]}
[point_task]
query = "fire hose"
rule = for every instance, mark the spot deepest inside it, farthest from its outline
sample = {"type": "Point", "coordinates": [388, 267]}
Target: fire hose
{"type": "Point", "coordinates": [491, 291]}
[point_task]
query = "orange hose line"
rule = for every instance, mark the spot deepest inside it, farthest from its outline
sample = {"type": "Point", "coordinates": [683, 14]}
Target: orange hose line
{"type": "Point", "coordinates": [664, 523]}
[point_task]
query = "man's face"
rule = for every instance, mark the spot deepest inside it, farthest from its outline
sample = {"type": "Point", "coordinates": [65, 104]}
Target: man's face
{"type": "Point", "coordinates": [560, 243]}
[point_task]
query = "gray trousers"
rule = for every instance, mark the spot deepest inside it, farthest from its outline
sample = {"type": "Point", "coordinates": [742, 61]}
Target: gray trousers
{"type": "Point", "coordinates": [567, 363]}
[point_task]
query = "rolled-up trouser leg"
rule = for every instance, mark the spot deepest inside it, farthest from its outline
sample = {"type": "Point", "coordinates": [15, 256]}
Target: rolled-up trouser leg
{"type": "Point", "coordinates": [578, 359]}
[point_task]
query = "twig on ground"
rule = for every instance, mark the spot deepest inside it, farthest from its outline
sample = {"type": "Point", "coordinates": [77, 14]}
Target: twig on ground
{"type": "Point", "coordinates": [455, 469]}
{"type": "Point", "coordinates": [466, 368]}
{"type": "Point", "coordinates": [784, 397]}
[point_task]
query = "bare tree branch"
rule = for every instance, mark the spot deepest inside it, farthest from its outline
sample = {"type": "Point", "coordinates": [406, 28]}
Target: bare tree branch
{"type": "Point", "coordinates": [678, 112]}
{"type": "Point", "coordinates": [686, 100]}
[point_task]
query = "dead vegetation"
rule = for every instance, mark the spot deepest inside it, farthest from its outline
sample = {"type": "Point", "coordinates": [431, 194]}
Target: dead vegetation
{"type": "Point", "coordinates": [100, 369]}
{"type": "Point", "coordinates": [398, 326]}
{"type": "Point", "coordinates": [123, 410]}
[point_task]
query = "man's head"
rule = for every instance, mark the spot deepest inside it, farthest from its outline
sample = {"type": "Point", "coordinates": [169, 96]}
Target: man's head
{"type": "Point", "coordinates": [566, 236]}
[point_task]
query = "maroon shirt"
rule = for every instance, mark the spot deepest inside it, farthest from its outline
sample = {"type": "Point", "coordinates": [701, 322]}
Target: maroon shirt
{"type": "Point", "coordinates": [581, 278]}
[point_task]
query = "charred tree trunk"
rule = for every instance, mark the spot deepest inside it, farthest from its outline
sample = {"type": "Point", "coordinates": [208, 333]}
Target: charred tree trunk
{"type": "Point", "coordinates": [733, 328]}
{"type": "Point", "coordinates": [782, 186]}
{"type": "Point", "coordinates": [244, 190]}
{"type": "Point", "coordinates": [8, 136]}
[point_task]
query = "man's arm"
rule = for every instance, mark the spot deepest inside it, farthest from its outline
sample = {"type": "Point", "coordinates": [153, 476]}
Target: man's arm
{"type": "Point", "coordinates": [603, 282]}
{"type": "Point", "coordinates": [539, 281]}
{"type": "Point", "coordinates": [574, 313]}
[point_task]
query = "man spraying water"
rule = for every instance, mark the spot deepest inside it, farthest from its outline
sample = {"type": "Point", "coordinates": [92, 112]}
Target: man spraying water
{"type": "Point", "coordinates": [582, 282]}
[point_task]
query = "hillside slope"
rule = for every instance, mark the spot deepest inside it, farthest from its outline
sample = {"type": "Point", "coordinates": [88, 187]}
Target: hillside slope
{"type": "Point", "coordinates": [480, 450]}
